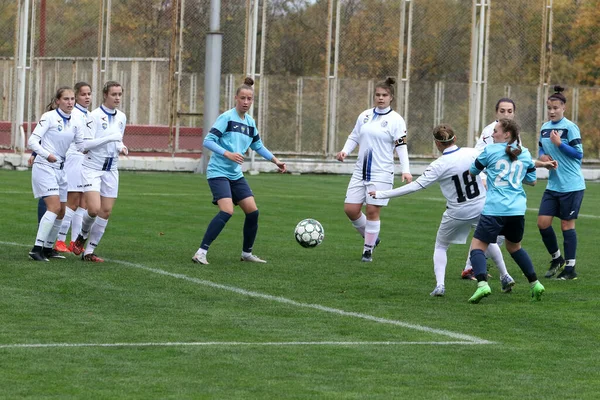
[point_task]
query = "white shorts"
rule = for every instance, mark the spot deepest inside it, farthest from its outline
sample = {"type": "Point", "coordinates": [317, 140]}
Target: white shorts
{"type": "Point", "coordinates": [455, 231]}
{"type": "Point", "coordinates": [48, 181]}
{"type": "Point", "coordinates": [73, 168]}
{"type": "Point", "coordinates": [105, 182]}
{"type": "Point", "coordinates": [358, 192]}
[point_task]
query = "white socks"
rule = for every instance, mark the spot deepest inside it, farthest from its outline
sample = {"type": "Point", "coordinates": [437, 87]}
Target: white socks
{"type": "Point", "coordinates": [440, 260]}
{"type": "Point", "coordinates": [360, 224]}
{"type": "Point", "coordinates": [76, 222]}
{"type": "Point", "coordinates": [46, 225]}
{"type": "Point", "coordinates": [66, 223]}
{"type": "Point", "coordinates": [95, 234]}
{"type": "Point", "coordinates": [371, 234]}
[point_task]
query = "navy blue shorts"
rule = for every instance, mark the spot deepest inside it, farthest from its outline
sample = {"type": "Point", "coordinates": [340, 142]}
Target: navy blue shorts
{"type": "Point", "coordinates": [562, 205]}
{"type": "Point", "coordinates": [223, 188]}
{"type": "Point", "coordinates": [490, 227]}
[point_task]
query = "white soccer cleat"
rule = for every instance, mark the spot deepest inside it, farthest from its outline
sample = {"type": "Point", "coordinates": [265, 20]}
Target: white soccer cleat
{"type": "Point", "coordinates": [252, 258]}
{"type": "Point", "coordinates": [439, 291]}
{"type": "Point", "coordinates": [200, 258]}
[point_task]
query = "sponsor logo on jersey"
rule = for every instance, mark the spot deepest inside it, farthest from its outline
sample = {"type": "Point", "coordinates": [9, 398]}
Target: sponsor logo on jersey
{"type": "Point", "coordinates": [88, 124]}
{"type": "Point", "coordinates": [41, 120]}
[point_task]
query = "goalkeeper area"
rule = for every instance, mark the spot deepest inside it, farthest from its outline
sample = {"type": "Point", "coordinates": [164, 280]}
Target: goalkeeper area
{"type": "Point", "coordinates": [310, 323]}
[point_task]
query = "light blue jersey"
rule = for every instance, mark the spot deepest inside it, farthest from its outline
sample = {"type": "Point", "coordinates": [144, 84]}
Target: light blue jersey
{"type": "Point", "coordinates": [235, 135]}
{"type": "Point", "coordinates": [505, 194]}
{"type": "Point", "coordinates": [568, 177]}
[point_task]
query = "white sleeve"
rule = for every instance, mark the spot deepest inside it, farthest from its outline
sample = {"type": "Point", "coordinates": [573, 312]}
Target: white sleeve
{"type": "Point", "coordinates": [353, 138]}
{"type": "Point", "coordinates": [402, 151]}
{"type": "Point", "coordinates": [401, 191]}
{"type": "Point", "coordinates": [36, 136]}
{"type": "Point", "coordinates": [89, 144]}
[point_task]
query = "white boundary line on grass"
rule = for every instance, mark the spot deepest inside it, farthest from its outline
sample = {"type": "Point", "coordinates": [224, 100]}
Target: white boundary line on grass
{"type": "Point", "coordinates": [283, 300]}
{"type": "Point", "coordinates": [225, 344]}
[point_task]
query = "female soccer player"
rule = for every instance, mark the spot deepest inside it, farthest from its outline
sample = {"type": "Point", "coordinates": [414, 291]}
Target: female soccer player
{"type": "Point", "coordinates": [50, 140]}
{"type": "Point", "coordinates": [100, 176]}
{"type": "Point", "coordinates": [465, 197]}
{"type": "Point", "coordinates": [508, 166]}
{"type": "Point", "coordinates": [232, 134]}
{"type": "Point", "coordinates": [560, 140]}
{"type": "Point", "coordinates": [378, 131]}
{"type": "Point", "coordinates": [75, 203]}
{"type": "Point", "coordinates": [505, 108]}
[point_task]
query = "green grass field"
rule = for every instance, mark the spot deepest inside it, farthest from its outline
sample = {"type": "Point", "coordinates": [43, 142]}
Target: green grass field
{"type": "Point", "coordinates": [311, 323]}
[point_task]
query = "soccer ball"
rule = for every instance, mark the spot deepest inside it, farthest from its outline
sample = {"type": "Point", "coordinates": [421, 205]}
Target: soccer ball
{"type": "Point", "coordinates": [309, 233]}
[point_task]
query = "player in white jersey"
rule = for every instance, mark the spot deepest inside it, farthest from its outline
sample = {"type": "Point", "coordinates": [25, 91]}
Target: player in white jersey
{"type": "Point", "coordinates": [378, 132]}
{"type": "Point", "coordinates": [75, 203]}
{"type": "Point", "coordinates": [50, 140]}
{"type": "Point", "coordinates": [100, 175]}
{"type": "Point", "coordinates": [505, 108]}
{"type": "Point", "coordinates": [465, 198]}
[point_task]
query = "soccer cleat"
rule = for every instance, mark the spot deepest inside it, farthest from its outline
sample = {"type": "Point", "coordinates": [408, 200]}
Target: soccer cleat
{"type": "Point", "coordinates": [556, 265]}
{"type": "Point", "coordinates": [367, 256]}
{"type": "Point", "coordinates": [377, 242]}
{"type": "Point", "coordinates": [78, 245]}
{"type": "Point", "coordinates": [51, 253]}
{"type": "Point", "coordinates": [536, 291]}
{"type": "Point", "coordinates": [439, 291]}
{"type": "Point", "coordinates": [200, 258]}
{"type": "Point", "coordinates": [61, 246]}
{"type": "Point", "coordinates": [92, 258]}
{"type": "Point", "coordinates": [468, 274]}
{"type": "Point", "coordinates": [37, 256]}
{"type": "Point", "coordinates": [480, 293]}
{"type": "Point", "coordinates": [507, 283]}
{"type": "Point", "coordinates": [252, 258]}
{"type": "Point", "coordinates": [567, 274]}
{"type": "Point", "coordinates": [70, 248]}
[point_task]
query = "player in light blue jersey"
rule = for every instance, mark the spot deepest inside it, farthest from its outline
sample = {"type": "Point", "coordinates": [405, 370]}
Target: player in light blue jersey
{"type": "Point", "coordinates": [560, 140]}
{"type": "Point", "coordinates": [508, 166]}
{"type": "Point", "coordinates": [232, 134]}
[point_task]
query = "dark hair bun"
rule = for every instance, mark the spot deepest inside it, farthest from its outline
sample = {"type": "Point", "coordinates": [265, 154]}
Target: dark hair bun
{"type": "Point", "coordinates": [559, 89]}
{"type": "Point", "coordinates": [390, 81]}
{"type": "Point", "coordinates": [248, 81]}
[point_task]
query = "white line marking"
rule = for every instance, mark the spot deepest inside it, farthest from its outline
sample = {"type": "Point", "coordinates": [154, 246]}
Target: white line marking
{"type": "Point", "coordinates": [225, 344]}
{"type": "Point", "coordinates": [120, 194]}
{"type": "Point", "coordinates": [284, 300]}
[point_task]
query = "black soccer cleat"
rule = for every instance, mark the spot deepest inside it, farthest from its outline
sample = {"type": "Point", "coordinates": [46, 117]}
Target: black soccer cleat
{"type": "Point", "coordinates": [556, 265]}
{"type": "Point", "coordinates": [51, 253]}
{"type": "Point", "coordinates": [37, 256]}
{"type": "Point", "coordinates": [367, 256]}
{"type": "Point", "coordinates": [568, 274]}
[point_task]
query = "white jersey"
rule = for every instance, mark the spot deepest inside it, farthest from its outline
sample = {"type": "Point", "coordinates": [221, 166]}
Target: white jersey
{"type": "Point", "coordinates": [80, 113]}
{"type": "Point", "coordinates": [53, 134]}
{"type": "Point", "coordinates": [486, 137]}
{"type": "Point", "coordinates": [105, 122]}
{"type": "Point", "coordinates": [464, 193]}
{"type": "Point", "coordinates": [377, 134]}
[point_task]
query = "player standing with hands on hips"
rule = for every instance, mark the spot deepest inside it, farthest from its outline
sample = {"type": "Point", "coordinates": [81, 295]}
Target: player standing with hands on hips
{"type": "Point", "coordinates": [232, 134]}
{"type": "Point", "coordinates": [100, 176]}
{"type": "Point", "coordinates": [560, 140]}
{"type": "Point", "coordinates": [378, 131]}
{"type": "Point", "coordinates": [50, 140]}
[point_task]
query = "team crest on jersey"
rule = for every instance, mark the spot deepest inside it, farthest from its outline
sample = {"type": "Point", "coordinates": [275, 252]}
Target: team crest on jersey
{"type": "Point", "coordinates": [384, 123]}
{"type": "Point", "coordinates": [120, 125]}
{"type": "Point", "coordinates": [366, 119]}
{"type": "Point", "coordinates": [104, 125]}
{"type": "Point", "coordinates": [60, 128]}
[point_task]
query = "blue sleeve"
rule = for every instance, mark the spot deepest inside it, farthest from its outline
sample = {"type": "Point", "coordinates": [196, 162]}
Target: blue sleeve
{"type": "Point", "coordinates": [479, 164]}
{"type": "Point", "coordinates": [570, 151]}
{"type": "Point", "coordinates": [265, 153]}
{"type": "Point", "coordinates": [210, 142]}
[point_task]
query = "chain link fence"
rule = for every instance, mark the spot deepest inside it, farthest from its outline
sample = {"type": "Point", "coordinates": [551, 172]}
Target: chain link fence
{"type": "Point", "coordinates": [315, 64]}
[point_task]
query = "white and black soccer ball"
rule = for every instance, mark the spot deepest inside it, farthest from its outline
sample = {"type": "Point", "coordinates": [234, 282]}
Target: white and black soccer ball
{"type": "Point", "coordinates": [309, 233]}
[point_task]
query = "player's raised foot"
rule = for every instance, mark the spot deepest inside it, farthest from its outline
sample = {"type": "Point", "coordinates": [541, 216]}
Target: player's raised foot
{"type": "Point", "coordinates": [537, 289]}
{"type": "Point", "coordinates": [78, 245]}
{"type": "Point", "coordinates": [92, 258]}
{"type": "Point", "coordinates": [439, 291]}
{"type": "Point", "coordinates": [51, 253]}
{"type": "Point", "coordinates": [556, 265]}
{"type": "Point", "coordinates": [507, 283]}
{"type": "Point", "coordinates": [200, 258]}
{"type": "Point", "coordinates": [367, 256]}
{"type": "Point", "coordinates": [482, 291]}
{"type": "Point", "coordinates": [37, 256]}
{"type": "Point", "coordinates": [468, 274]}
{"type": "Point", "coordinates": [61, 246]}
{"type": "Point", "coordinates": [568, 274]}
{"type": "Point", "coordinates": [252, 258]}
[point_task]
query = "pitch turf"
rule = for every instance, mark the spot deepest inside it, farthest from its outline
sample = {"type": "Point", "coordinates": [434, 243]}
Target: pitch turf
{"type": "Point", "coordinates": [311, 323]}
